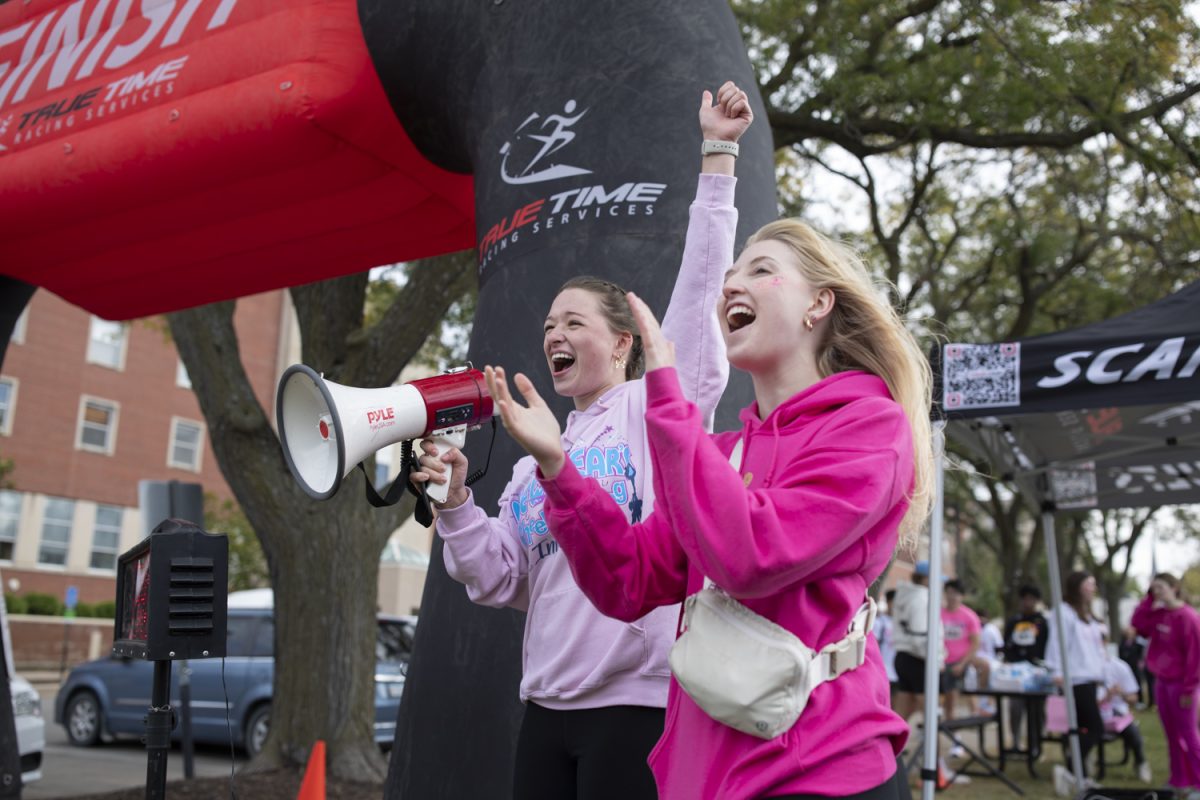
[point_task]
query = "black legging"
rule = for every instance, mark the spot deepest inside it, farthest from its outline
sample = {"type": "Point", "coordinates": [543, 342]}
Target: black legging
{"type": "Point", "coordinates": [587, 754]}
{"type": "Point", "coordinates": [1091, 724]}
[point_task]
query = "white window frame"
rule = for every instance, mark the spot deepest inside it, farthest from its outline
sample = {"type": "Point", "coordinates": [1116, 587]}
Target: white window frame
{"type": "Point", "coordinates": [16, 523]}
{"type": "Point", "coordinates": [182, 379]}
{"type": "Point", "coordinates": [171, 462]}
{"type": "Point", "coordinates": [66, 547]}
{"type": "Point", "coordinates": [18, 332]}
{"type": "Point", "coordinates": [121, 349]}
{"type": "Point", "coordinates": [6, 422]}
{"type": "Point", "coordinates": [111, 445]}
{"type": "Point", "coordinates": [115, 550]}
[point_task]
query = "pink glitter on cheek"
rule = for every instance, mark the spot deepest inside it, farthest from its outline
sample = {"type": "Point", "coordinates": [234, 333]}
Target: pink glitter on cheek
{"type": "Point", "coordinates": [777, 281]}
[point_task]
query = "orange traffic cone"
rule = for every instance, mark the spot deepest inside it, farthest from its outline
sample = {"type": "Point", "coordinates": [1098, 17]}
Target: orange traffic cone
{"type": "Point", "coordinates": [313, 785]}
{"type": "Point", "coordinates": [944, 780]}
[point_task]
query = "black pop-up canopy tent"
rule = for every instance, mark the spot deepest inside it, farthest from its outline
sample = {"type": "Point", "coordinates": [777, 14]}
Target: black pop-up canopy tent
{"type": "Point", "coordinates": [1098, 417]}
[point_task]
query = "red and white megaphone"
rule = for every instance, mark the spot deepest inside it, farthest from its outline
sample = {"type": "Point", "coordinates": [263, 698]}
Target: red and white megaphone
{"type": "Point", "coordinates": [327, 429]}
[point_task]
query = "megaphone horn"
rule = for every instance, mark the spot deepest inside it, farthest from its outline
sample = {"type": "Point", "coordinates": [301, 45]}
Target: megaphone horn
{"type": "Point", "coordinates": [327, 429]}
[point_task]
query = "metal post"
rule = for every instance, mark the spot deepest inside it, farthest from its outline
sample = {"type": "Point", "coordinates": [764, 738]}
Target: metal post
{"type": "Point", "coordinates": [1059, 635]}
{"type": "Point", "coordinates": [158, 732]}
{"type": "Point", "coordinates": [933, 623]}
{"type": "Point", "coordinates": [185, 719]}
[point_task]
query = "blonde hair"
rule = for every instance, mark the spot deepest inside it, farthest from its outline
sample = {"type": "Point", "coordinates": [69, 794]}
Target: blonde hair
{"type": "Point", "coordinates": [864, 332]}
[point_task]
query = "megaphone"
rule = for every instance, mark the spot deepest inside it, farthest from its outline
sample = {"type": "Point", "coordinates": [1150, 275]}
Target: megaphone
{"type": "Point", "coordinates": [327, 429]}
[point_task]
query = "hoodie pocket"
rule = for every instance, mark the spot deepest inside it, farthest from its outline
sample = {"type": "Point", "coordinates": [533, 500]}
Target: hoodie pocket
{"type": "Point", "coordinates": [573, 648]}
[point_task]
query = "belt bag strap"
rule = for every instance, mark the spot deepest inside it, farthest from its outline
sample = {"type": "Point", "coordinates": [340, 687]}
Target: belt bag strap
{"type": "Point", "coordinates": [846, 654]}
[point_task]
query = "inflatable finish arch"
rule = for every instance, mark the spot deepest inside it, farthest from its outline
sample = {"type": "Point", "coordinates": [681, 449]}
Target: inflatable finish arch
{"type": "Point", "coordinates": [168, 153]}
{"type": "Point", "coordinates": [160, 154]}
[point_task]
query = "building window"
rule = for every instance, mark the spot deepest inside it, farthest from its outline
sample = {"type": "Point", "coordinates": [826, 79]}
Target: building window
{"type": "Point", "coordinates": [10, 521]}
{"type": "Point", "coordinates": [383, 466]}
{"type": "Point", "coordinates": [187, 440]}
{"type": "Point", "coordinates": [97, 425]}
{"type": "Point", "coordinates": [18, 334]}
{"type": "Point", "coordinates": [106, 540]}
{"type": "Point", "coordinates": [106, 343]}
{"type": "Point", "coordinates": [182, 379]}
{"type": "Point", "coordinates": [56, 531]}
{"type": "Point", "coordinates": [8, 404]}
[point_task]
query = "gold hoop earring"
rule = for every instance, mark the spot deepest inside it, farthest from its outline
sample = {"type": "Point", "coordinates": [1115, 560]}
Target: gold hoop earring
{"type": "Point", "coordinates": [808, 323]}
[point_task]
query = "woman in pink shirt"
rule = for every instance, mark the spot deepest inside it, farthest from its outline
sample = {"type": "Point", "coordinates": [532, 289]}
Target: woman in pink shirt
{"type": "Point", "coordinates": [962, 629]}
{"type": "Point", "coordinates": [831, 468]}
{"type": "Point", "coordinates": [1173, 628]}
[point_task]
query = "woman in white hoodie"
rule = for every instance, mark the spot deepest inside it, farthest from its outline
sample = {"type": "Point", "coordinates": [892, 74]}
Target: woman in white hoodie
{"type": "Point", "coordinates": [1083, 637]}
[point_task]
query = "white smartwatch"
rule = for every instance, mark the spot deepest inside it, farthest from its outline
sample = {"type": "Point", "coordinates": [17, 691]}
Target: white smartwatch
{"type": "Point", "coordinates": [712, 146]}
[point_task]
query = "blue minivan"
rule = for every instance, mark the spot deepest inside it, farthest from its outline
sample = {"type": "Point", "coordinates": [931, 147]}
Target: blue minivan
{"type": "Point", "coordinates": [110, 696]}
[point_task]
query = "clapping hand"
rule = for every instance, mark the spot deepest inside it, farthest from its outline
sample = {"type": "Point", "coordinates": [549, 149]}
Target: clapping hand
{"type": "Point", "coordinates": [533, 426]}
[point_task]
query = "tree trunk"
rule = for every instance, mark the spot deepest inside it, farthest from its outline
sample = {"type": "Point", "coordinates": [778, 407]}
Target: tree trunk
{"type": "Point", "coordinates": [323, 559]}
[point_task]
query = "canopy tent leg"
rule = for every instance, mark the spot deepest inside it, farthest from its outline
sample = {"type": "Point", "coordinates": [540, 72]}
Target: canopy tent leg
{"type": "Point", "coordinates": [933, 642]}
{"type": "Point", "coordinates": [1056, 599]}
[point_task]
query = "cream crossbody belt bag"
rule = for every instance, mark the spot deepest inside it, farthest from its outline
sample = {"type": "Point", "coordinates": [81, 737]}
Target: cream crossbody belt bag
{"type": "Point", "coordinates": [749, 673]}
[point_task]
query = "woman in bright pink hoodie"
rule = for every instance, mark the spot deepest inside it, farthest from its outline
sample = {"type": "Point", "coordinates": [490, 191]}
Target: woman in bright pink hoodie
{"type": "Point", "coordinates": [1173, 628]}
{"type": "Point", "coordinates": [834, 467]}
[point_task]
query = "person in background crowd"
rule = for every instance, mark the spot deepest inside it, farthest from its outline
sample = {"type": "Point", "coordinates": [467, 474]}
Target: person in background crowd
{"type": "Point", "coordinates": [1173, 628]}
{"type": "Point", "coordinates": [1083, 639]}
{"type": "Point", "coordinates": [884, 636]}
{"type": "Point", "coordinates": [910, 637]}
{"type": "Point", "coordinates": [1118, 689]}
{"type": "Point", "coordinates": [991, 640]}
{"type": "Point", "coordinates": [991, 651]}
{"type": "Point", "coordinates": [1132, 650]}
{"type": "Point", "coordinates": [1025, 640]}
{"type": "Point", "coordinates": [962, 627]}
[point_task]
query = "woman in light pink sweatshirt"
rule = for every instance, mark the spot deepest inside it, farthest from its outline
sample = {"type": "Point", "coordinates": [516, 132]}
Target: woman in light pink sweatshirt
{"type": "Point", "coordinates": [1173, 628]}
{"type": "Point", "coordinates": [832, 467]}
{"type": "Point", "coordinates": [595, 687]}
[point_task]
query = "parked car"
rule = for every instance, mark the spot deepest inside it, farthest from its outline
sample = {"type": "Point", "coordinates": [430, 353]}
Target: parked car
{"type": "Point", "coordinates": [110, 696]}
{"type": "Point", "coordinates": [31, 728]}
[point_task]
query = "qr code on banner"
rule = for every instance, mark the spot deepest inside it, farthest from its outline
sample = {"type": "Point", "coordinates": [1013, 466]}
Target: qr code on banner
{"type": "Point", "coordinates": [1074, 487]}
{"type": "Point", "coordinates": [981, 375]}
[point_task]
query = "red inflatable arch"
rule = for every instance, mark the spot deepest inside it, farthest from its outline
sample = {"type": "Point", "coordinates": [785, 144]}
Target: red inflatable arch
{"type": "Point", "coordinates": [267, 115]}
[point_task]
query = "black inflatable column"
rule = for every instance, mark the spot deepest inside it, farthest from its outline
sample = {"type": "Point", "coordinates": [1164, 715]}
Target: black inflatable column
{"type": "Point", "coordinates": [578, 120]}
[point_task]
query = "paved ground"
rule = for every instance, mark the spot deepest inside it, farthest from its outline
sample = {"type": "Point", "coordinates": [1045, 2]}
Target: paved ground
{"type": "Point", "coordinates": [69, 771]}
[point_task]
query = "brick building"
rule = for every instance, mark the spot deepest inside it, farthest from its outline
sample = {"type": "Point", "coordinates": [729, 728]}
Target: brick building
{"type": "Point", "coordinates": [89, 407]}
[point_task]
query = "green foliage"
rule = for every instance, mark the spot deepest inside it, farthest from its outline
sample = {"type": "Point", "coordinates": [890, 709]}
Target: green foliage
{"type": "Point", "coordinates": [247, 564]}
{"type": "Point", "coordinates": [105, 609]}
{"type": "Point", "coordinates": [1190, 581]}
{"type": "Point", "coordinates": [15, 604]}
{"type": "Point", "coordinates": [43, 604]}
{"type": "Point", "coordinates": [447, 343]}
{"type": "Point", "coordinates": [1011, 168]}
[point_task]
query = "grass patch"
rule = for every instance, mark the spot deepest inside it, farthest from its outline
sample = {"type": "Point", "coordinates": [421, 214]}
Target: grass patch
{"type": "Point", "coordinates": [1117, 776]}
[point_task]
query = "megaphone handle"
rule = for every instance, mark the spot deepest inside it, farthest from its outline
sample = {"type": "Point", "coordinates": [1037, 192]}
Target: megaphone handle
{"type": "Point", "coordinates": [443, 440]}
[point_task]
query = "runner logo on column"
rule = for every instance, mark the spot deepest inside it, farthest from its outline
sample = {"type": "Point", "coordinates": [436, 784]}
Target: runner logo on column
{"type": "Point", "coordinates": [533, 156]}
{"type": "Point", "coordinates": [553, 136]}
